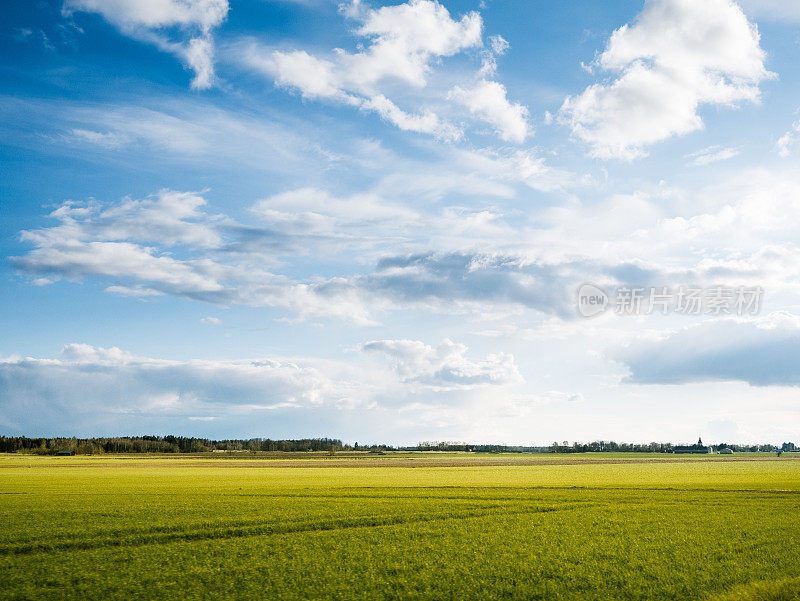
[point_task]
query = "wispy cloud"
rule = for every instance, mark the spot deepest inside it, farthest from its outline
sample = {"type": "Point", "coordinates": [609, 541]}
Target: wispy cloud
{"type": "Point", "coordinates": [712, 154]}
{"type": "Point", "coordinates": [181, 27]}
{"type": "Point", "coordinates": [789, 141]}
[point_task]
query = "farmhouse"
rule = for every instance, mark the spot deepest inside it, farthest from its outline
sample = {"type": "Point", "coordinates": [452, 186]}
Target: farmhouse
{"type": "Point", "coordinates": [697, 449]}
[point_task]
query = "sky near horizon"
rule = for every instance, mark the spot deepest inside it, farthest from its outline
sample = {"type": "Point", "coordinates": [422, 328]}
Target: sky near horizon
{"type": "Point", "coordinates": [296, 218]}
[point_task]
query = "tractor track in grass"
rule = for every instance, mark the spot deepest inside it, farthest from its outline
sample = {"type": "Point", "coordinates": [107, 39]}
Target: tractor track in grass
{"type": "Point", "coordinates": [232, 532]}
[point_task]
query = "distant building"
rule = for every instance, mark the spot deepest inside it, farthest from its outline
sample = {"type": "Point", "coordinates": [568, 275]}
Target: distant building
{"type": "Point", "coordinates": [726, 451]}
{"type": "Point", "coordinates": [65, 452]}
{"type": "Point", "coordinates": [696, 449]}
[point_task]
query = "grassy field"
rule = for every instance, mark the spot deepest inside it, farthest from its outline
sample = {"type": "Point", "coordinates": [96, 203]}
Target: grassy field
{"type": "Point", "coordinates": [411, 526]}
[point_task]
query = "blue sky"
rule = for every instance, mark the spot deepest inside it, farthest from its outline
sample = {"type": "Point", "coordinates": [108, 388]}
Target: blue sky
{"type": "Point", "coordinates": [370, 221]}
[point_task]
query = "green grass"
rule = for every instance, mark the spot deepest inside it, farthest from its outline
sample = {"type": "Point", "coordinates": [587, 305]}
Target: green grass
{"type": "Point", "coordinates": [193, 528]}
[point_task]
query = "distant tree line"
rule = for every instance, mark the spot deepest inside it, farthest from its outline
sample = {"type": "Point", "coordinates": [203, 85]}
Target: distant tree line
{"type": "Point", "coordinates": [654, 447]}
{"type": "Point", "coordinates": [590, 447]}
{"type": "Point", "coordinates": [461, 446]}
{"type": "Point", "coordinates": [160, 444]}
{"type": "Point", "coordinates": [184, 444]}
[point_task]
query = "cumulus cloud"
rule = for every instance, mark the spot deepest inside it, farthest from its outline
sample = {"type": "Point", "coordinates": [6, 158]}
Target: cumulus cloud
{"type": "Point", "coordinates": [106, 390]}
{"type": "Point", "coordinates": [405, 41]}
{"type": "Point", "coordinates": [761, 352]}
{"type": "Point", "coordinates": [181, 27]}
{"type": "Point", "coordinates": [675, 57]}
{"type": "Point", "coordinates": [445, 367]}
{"type": "Point", "coordinates": [487, 100]}
{"type": "Point", "coordinates": [88, 386]}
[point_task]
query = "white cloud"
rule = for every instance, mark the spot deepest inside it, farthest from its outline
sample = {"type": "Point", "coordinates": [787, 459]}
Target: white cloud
{"type": "Point", "coordinates": [169, 244]}
{"type": "Point", "coordinates": [523, 401]}
{"type": "Point", "coordinates": [676, 56]}
{"type": "Point", "coordinates": [89, 387]}
{"type": "Point", "coordinates": [156, 13]}
{"type": "Point", "coordinates": [499, 44]}
{"type": "Point", "coordinates": [134, 291]}
{"type": "Point", "coordinates": [427, 123]}
{"type": "Point", "coordinates": [789, 141]}
{"type": "Point", "coordinates": [111, 391]}
{"type": "Point", "coordinates": [84, 353]}
{"type": "Point", "coordinates": [712, 154]}
{"type": "Point", "coordinates": [445, 367]}
{"type": "Point", "coordinates": [749, 213]}
{"type": "Point", "coordinates": [313, 77]}
{"type": "Point", "coordinates": [405, 41]}
{"type": "Point", "coordinates": [160, 22]}
{"type": "Point", "coordinates": [512, 166]}
{"type": "Point", "coordinates": [388, 254]}
{"type": "Point", "coordinates": [94, 240]}
{"type": "Point", "coordinates": [310, 211]}
{"type": "Point", "coordinates": [168, 218]}
{"type": "Point", "coordinates": [170, 130]}
{"type": "Point", "coordinates": [558, 396]}
{"type": "Point", "coordinates": [211, 321]}
{"type": "Point", "coordinates": [497, 47]}
{"type": "Point", "coordinates": [487, 100]}
{"type": "Point", "coordinates": [105, 139]}
{"type": "Point", "coordinates": [200, 56]}
{"type": "Point", "coordinates": [405, 38]}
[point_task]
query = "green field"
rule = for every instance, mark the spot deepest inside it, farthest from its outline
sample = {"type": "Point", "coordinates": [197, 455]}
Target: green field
{"type": "Point", "coordinates": [413, 526]}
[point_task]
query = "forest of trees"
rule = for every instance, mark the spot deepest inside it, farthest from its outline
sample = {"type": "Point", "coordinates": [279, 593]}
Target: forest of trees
{"type": "Point", "coordinates": [183, 444]}
{"type": "Point", "coordinates": [160, 444]}
{"type": "Point", "coordinates": [590, 447]}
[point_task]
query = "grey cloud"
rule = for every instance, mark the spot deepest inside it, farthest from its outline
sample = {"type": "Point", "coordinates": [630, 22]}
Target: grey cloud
{"type": "Point", "coordinates": [761, 353]}
{"type": "Point", "coordinates": [91, 387]}
{"type": "Point", "coordinates": [170, 243]}
{"type": "Point", "coordinates": [462, 277]}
